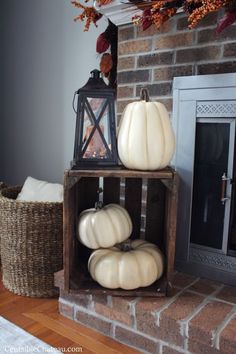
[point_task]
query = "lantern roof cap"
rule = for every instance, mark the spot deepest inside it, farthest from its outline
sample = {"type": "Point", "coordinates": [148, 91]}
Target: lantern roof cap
{"type": "Point", "coordinates": [95, 82]}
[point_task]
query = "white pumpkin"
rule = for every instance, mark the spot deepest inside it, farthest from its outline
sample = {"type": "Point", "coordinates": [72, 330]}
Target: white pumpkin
{"type": "Point", "coordinates": [145, 136]}
{"type": "Point", "coordinates": [139, 266]}
{"type": "Point", "coordinates": [104, 227]}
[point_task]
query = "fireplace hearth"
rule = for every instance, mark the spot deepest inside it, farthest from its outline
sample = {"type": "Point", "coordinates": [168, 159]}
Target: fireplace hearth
{"type": "Point", "coordinates": [204, 119]}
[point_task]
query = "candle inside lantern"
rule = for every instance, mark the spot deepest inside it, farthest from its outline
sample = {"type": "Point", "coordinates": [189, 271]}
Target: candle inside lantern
{"type": "Point", "coordinates": [95, 147]}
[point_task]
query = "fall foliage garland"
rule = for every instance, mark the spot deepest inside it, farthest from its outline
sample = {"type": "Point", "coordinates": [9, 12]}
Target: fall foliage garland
{"type": "Point", "coordinates": [159, 11]}
{"type": "Point", "coordinates": [153, 12]}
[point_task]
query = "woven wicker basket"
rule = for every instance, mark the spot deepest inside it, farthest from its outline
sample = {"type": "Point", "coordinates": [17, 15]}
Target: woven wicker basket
{"type": "Point", "coordinates": [2, 185]}
{"type": "Point", "coordinates": [31, 244]}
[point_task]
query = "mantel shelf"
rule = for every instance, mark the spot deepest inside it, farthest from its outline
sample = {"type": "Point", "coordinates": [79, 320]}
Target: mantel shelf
{"type": "Point", "coordinates": [120, 12]}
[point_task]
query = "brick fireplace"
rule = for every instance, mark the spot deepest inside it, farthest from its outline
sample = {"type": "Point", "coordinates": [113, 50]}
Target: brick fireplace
{"type": "Point", "coordinates": [200, 317]}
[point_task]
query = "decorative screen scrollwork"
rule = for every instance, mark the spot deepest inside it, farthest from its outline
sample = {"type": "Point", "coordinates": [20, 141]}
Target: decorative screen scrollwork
{"type": "Point", "coordinates": [216, 109]}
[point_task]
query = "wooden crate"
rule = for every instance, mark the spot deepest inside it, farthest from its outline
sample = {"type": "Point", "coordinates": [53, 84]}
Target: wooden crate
{"type": "Point", "coordinates": [80, 192]}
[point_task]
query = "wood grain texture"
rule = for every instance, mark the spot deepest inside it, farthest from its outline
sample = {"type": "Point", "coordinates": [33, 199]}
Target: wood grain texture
{"type": "Point", "coordinates": [123, 173]}
{"type": "Point", "coordinates": [41, 318]}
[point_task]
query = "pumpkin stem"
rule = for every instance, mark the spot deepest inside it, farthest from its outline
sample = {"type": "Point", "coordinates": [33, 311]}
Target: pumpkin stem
{"type": "Point", "coordinates": [98, 205]}
{"type": "Point", "coordinates": [125, 246]}
{"type": "Point", "coordinates": [144, 94]}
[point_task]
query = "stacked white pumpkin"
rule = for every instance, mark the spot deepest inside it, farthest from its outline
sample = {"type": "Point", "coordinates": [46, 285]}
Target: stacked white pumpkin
{"type": "Point", "coordinates": [115, 264]}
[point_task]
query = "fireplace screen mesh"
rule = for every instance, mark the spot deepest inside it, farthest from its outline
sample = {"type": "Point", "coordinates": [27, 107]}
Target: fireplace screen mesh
{"type": "Point", "coordinates": [211, 162]}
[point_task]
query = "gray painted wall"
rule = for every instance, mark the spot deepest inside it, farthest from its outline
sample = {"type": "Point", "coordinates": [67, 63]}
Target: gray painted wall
{"type": "Point", "coordinates": [45, 57]}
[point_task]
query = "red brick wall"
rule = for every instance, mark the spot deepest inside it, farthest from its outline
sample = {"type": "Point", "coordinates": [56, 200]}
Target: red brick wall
{"type": "Point", "coordinates": [152, 58]}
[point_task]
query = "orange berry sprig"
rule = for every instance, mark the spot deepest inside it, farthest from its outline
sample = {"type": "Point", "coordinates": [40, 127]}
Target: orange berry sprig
{"type": "Point", "coordinates": [206, 7]}
{"type": "Point", "coordinates": [159, 18]}
{"type": "Point", "coordinates": [156, 14]}
{"type": "Point", "coordinates": [89, 14]}
{"type": "Point", "coordinates": [103, 2]}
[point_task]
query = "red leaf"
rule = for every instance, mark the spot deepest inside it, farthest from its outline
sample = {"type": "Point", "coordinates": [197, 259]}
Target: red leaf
{"type": "Point", "coordinates": [225, 21]}
{"type": "Point", "coordinates": [106, 63]}
{"type": "Point", "coordinates": [146, 19]}
{"type": "Point", "coordinates": [102, 43]}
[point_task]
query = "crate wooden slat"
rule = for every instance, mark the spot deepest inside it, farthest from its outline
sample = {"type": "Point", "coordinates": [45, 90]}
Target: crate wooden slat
{"type": "Point", "coordinates": [133, 195]}
{"type": "Point", "coordinates": [80, 192]}
{"type": "Point", "coordinates": [121, 172]}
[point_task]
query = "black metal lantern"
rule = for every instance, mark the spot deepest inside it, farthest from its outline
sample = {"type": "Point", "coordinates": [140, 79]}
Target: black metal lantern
{"type": "Point", "coordinates": [95, 134]}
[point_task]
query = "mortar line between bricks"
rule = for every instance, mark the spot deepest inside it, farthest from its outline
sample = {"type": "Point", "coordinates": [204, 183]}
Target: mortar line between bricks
{"type": "Point", "coordinates": [113, 330]}
{"type": "Point", "coordinates": [163, 66]}
{"type": "Point", "coordinates": [73, 312]}
{"type": "Point", "coordinates": [221, 56]}
{"type": "Point", "coordinates": [216, 334]}
{"type": "Point", "coordinates": [224, 301]}
{"type": "Point", "coordinates": [109, 301]}
{"type": "Point", "coordinates": [185, 346]}
{"type": "Point", "coordinates": [194, 45]}
{"type": "Point", "coordinates": [213, 293]}
{"type": "Point", "coordinates": [207, 61]}
{"type": "Point", "coordinates": [158, 66]}
{"type": "Point", "coordinates": [66, 302]}
{"type": "Point", "coordinates": [164, 307]}
{"type": "Point", "coordinates": [135, 62]}
{"type": "Point", "coordinates": [135, 32]}
{"type": "Point", "coordinates": [172, 346]}
{"type": "Point", "coordinates": [148, 52]}
{"type": "Point", "coordinates": [210, 61]}
{"type": "Point", "coordinates": [161, 348]}
{"type": "Point", "coordinates": [174, 57]}
{"type": "Point", "coordinates": [184, 324]}
{"type": "Point", "coordinates": [133, 315]}
{"type": "Point", "coordinates": [91, 304]}
{"type": "Point", "coordinates": [141, 351]}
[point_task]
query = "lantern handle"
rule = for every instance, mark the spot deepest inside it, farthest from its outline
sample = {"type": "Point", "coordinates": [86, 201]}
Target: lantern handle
{"type": "Point", "coordinates": [73, 102]}
{"type": "Point", "coordinates": [144, 94]}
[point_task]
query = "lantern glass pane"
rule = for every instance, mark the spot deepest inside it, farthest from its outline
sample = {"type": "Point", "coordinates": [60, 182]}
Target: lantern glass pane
{"type": "Point", "coordinates": [96, 130]}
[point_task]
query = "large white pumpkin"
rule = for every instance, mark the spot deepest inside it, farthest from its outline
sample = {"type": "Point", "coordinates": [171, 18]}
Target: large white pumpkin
{"type": "Point", "coordinates": [139, 265]}
{"type": "Point", "coordinates": [104, 227]}
{"type": "Point", "coordinates": [145, 136]}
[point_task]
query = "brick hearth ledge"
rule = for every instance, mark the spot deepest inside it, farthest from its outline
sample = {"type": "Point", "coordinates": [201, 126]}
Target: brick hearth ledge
{"type": "Point", "coordinates": [199, 318]}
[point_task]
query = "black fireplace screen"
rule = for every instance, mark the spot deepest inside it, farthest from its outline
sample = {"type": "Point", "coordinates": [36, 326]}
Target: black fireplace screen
{"type": "Point", "coordinates": [210, 188]}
